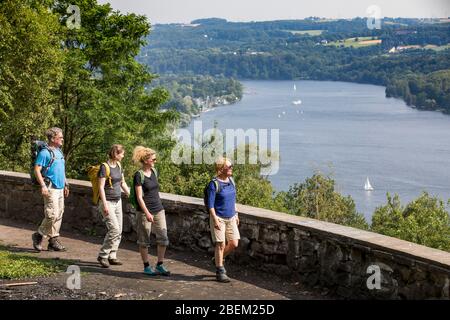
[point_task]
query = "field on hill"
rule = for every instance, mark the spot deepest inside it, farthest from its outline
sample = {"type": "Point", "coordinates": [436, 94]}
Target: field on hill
{"type": "Point", "coordinates": [356, 42]}
{"type": "Point", "coordinates": [308, 32]}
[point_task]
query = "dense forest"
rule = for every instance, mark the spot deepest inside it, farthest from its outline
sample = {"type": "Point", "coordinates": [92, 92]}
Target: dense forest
{"type": "Point", "coordinates": [403, 51]}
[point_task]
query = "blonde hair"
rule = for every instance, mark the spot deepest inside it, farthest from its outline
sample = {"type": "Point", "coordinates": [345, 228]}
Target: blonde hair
{"type": "Point", "coordinates": [115, 150]}
{"type": "Point", "coordinates": [140, 154]}
{"type": "Point", "coordinates": [220, 163]}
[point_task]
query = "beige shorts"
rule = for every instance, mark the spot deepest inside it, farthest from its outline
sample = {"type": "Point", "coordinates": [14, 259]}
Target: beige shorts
{"type": "Point", "coordinates": [228, 230]}
{"type": "Point", "coordinates": [145, 228]}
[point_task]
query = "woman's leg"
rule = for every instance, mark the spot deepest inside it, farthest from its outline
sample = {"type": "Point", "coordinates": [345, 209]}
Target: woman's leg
{"type": "Point", "coordinates": [232, 236]}
{"type": "Point", "coordinates": [143, 250]}
{"type": "Point", "coordinates": [117, 235]}
{"type": "Point", "coordinates": [161, 250]}
{"type": "Point", "coordinates": [112, 226]}
{"type": "Point", "coordinates": [231, 245]}
{"type": "Point", "coordinates": [143, 230]}
{"type": "Point", "coordinates": [160, 229]}
{"type": "Point", "coordinates": [219, 253]}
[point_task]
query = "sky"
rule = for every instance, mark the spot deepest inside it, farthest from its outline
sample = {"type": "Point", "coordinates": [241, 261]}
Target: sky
{"type": "Point", "coordinates": [184, 11]}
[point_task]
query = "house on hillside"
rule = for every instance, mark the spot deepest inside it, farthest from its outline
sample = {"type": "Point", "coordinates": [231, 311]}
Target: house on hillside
{"type": "Point", "coordinates": [393, 50]}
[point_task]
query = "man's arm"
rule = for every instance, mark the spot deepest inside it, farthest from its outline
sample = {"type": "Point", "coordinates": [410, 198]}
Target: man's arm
{"type": "Point", "coordinates": [40, 179]}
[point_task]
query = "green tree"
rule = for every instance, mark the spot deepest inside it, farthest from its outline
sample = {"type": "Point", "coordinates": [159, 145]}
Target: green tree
{"type": "Point", "coordinates": [102, 97]}
{"type": "Point", "coordinates": [191, 179]}
{"type": "Point", "coordinates": [316, 198]}
{"type": "Point", "coordinates": [30, 68]}
{"type": "Point", "coordinates": [424, 221]}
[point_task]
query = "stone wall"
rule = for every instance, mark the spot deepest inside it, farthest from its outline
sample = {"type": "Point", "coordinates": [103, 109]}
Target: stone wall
{"type": "Point", "coordinates": [314, 252]}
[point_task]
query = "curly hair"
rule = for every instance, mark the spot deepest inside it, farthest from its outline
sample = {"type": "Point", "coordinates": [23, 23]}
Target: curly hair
{"type": "Point", "coordinates": [140, 154]}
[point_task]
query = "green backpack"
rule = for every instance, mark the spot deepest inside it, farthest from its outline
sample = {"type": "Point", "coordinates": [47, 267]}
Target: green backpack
{"type": "Point", "coordinates": [133, 198]}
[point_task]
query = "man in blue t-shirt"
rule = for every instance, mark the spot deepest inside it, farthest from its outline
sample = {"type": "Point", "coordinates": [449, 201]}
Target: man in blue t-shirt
{"type": "Point", "coordinates": [53, 189]}
{"type": "Point", "coordinates": [224, 219]}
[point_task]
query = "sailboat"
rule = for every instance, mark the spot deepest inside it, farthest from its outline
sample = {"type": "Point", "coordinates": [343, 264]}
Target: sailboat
{"type": "Point", "coordinates": [296, 102]}
{"type": "Point", "coordinates": [367, 185]}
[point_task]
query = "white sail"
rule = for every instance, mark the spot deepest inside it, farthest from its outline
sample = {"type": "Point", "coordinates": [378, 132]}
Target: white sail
{"type": "Point", "coordinates": [298, 101]}
{"type": "Point", "coordinates": [367, 185]}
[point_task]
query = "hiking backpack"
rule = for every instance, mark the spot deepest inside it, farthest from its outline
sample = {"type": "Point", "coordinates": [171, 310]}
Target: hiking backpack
{"type": "Point", "coordinates": [36, 147]}
{"type": "Point", "coordinates": [92, 172]}
{"type": "Point", "coordinates": [217, 185]}
{"type": "Point", "coordinates": [133, 198]}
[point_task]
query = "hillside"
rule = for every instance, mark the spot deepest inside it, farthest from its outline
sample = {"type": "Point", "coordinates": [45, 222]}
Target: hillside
{"type": "Point", "coordinates": [314, 48]}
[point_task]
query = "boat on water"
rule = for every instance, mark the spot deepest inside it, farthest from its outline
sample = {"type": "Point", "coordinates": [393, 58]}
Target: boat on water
{"type": "Point", "coordinates": [296, 102]}
{"type": "Point", "coordinates": [367, 185]}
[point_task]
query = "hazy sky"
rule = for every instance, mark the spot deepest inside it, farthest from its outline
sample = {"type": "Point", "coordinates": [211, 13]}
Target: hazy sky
{"type": "Point", "coordinates": [167, 11]}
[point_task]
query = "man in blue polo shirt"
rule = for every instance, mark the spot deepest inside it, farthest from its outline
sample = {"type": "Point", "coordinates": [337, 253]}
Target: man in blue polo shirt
{"type": "Point", "coordinates": [53, 189]}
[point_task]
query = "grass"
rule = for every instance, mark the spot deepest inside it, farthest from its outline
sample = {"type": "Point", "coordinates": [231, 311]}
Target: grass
{"type": "Point", "coordinates": [22, 265]}
{"type": "Point", "coordinates": [350, 42]}
{"type": "Point", "coordinates": [308, 32]}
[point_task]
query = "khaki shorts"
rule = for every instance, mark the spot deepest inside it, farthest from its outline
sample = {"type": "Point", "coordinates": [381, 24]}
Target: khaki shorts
{"type": "Point", "coordinates": [145, 228]}
{"type": "Point", "coordinates": [228, 230]}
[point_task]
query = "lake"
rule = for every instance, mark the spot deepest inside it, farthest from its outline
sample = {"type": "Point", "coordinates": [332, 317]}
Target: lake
{"type": "Point", "coordinates": [349, 130]}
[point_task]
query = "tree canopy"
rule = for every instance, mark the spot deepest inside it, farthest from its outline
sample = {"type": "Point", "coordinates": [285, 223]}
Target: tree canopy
{"type": "Point", "coordinates": [85, 80]}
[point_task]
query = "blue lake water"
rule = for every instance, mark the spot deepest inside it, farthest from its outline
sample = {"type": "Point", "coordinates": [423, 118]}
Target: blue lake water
{"type": "Point", "coordinates": [349, 130]}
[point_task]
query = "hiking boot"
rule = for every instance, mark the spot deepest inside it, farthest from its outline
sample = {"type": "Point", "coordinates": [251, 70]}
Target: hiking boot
{"type": "Point", "coordinates": [213, 261]}
{"type": "Point", "coordinates": [55, 245]}
{"type": "Point", "coordinates": [162, 270]}
{"type": "Point", "coordinates": [115, 262]}
{"type": "Point", "coordinates": [149, 271]}
{"type": "Point", "coordinates": [221, 276]}
{"type": "Point", "coordinates": [103, 262]}
{"type": "Point", "coordinates": [37, 241]}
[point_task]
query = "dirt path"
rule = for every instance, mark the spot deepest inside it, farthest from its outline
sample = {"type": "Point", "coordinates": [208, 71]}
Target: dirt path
{"type": "Point", "coordinates": [193, 275]}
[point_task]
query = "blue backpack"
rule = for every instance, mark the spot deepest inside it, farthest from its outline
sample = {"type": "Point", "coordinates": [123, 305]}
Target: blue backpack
{"type": "Point", "coordinates": [36, 147]}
